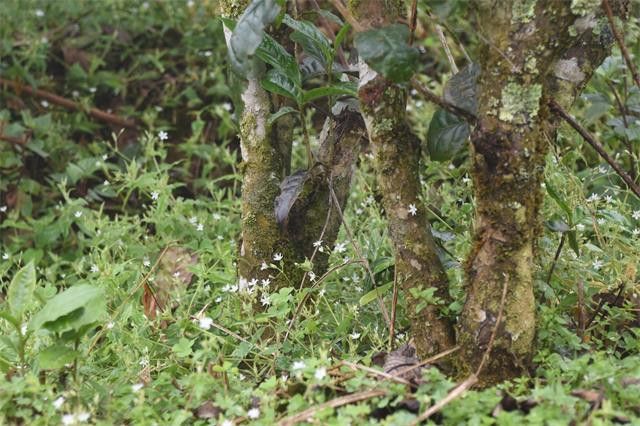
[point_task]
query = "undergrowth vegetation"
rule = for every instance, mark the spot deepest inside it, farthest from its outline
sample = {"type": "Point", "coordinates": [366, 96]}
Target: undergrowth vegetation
{"type": "Point", "coordinates": [119, 298]}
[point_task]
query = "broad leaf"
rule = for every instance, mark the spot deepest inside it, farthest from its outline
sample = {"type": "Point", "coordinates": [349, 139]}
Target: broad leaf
{"type": "Point", "coordinates": [337, 89]}
{"type": "Point", "coordinates": [447, 135]}
{"type": "Point", "coordinates": [387, 51]}
{"type": "Point", "coordinates": [461, 89]}
{"type": "Point", "coordinates": [290, 189]}
{"type": "Point", "coordinates": [573, 242]}
{"type": "Point", "coordinates": [312, 40]}
{"type": "Point", "coordinates": [553, 193]}
{"type": "Point", "coordinates": [249, 32]}
{"type": "Point", "coordinates": [373, 294]}
{"type": "Point", "coordinates": [275, 81]}
{"type": "Point", "coordinates": [56, 356]}
{"type": "Point", "coordinates": [282, 112]}
{"type": "Point", "coordinates": [21, 289]}
{"type": "Point", "coordinates": [72, 309]}
{"type": "Point", "coordinates": [272, 52]}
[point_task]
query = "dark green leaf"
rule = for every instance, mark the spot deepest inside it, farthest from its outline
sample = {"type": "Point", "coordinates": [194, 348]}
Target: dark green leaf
{"type": "Point", "coordinates": [275, 81]}
{"type": "Point", "coordinates": [56, 356]}
{"type": "Point", "coordinates": [553, 193]}
{"type": "Point", "coordinates": [275, 55]}
{"type": "Point", "coordinates": [573, 242]}
{"type": "Point", "coordinates": [21, 289]}
{"type": "Point", "coordinates": [386, 50]}
{"type": "Point", "coordinates": [373, 294]}
{"type": "Point", "coordinates": [312, 40]}
{"type": "Point", "coordinates": [461, 91]}
{"type": "Point", "coordinates": [281, 112]}
{"type": "Point", "coordinates": [249, 32]}
{"type": "Point", "coordinates": [320, 92]}
{"type": "Point", "coordinates": [447, 135]}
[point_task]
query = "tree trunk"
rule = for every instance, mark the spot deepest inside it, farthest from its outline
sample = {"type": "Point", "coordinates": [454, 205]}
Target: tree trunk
{"type": "Point", "coordinates": [396, 153]}
{"type": "Point", "coordinates": [534, 54]}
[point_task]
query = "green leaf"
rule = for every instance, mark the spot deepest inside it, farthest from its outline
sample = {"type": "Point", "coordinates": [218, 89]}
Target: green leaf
{"type": "Point", "coordinates": [373, 294]}
{"type": "Point", "coordinates": [21, 289]}
{"type": "Point", "coordinates": [72, 309]}
{"type": "Point", "coordinates": [249, 32]}
{"type": "Point", "coordinates": [461, 91]}
{"type": "Point", "coordinates": [553, 193]}
{"type": "Point", "coordinates": [280, 113]}
{"type": "Point", "coordinates": [11, 319]}
{"type": "Point", "coordinates": [56, 356]}
{"type": "Point", "coordinates": [272, 52]}
{"type": "Point", "coordinates": [386, 50]}
{"type": "Point", "coordinates": [447, 135]}
{"type": "Point", "coordinates": [275, 81]}
{"type": "Point", "coordinates": [336, 89]}
{"type": "Point", "coordinates": [182, 349]}
{"type": "Point", "coordinates": [312, 40]}
{"type": "Point", "coordinates": [573, 242]}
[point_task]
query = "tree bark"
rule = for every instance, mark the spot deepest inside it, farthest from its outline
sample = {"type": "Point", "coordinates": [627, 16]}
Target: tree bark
{"type": "Point", "coordinates": [537, 50]}
{"type": "Point", "coordinates": [396, 153]}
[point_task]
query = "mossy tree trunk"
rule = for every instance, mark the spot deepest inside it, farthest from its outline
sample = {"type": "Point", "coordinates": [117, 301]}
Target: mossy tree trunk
{"type": "Point", "coordinates": [536, 50]}
{"type": "Point", "coordinates": [396, 153]}
{"type": "Point", "coordinates": [266, 161]}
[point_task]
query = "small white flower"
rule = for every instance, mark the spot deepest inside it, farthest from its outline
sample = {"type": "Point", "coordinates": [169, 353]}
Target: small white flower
{"type": "Point", "coordinates": [580, 227]}
{"type": "Point", "coordinates": [44, 104]}
{"type": "Point", "coordinates": [298, 365]}
{"type": "Point", "coordinates": [359, 211]}
{"type": "Point", "coordinates": [264, 266]}
{"type": "Point", "coordinates": [412, 209]}
{"type": "Point", "coordinates": [155, 195]}
{"type": "Point", "coordinates": [254, 413]}
{"type": "Point", "coordinates": [355, 335]}
{"type": "Point", "coordinates": [39, 13]}
{"type": "Point", "coordinates": [136, 388]}
{"type": "Point", "coordinates": [340, 247]}
{"type": "Point", "coordinates": [205, 323]}
{"type": "Point", "coordinates": [218, 299]}
{"type": "Point", "coordinates": [145, 5]}
{"type": "Point", "coordinates": [466, 179]}
{"type": "Point", "coordinates": [58, 403]}
{"type": "Point", "coordinates": [94, 268]}
{"type": "Point", "coordinates": [106, 183]}
{"type": "Point", "coordinates": [75, 93]}
{"type": "Point", "coordinates": [608, 199]}
{"type": "Point", "coordinates": [265, 282]}
{"type": "Point", "coordinates": [144, 362]}
{"type": "Point", "coordinates": [200, 227]}
{"type": "Point", "coordinates": [83, 416]}
{"type": "Point", "coordinates": [68, 419]}
{"type": "Point", "coordinates": [146, 262]}
{"type": "Point", "coordinates": [162, 135]}
{"type": "Point", "coordinates": [176, 274]}
{"type": "Point", "coordinates": [78, 214]}
{"type": "Point", "coordinates": [23, 329]}
{"type": "Point", "coordinates": [320, 373]}
{"type": "Point", "coordinates": [284, 377]}
{"type": "Point", "coordinates": [636, 232]}
{"type": "Point", "coordinates": [92, 89]}
{"type": "Point", "coordinates": [226, 422]}
{"type": "Point", "coordinates": [593, 198]}
{"type": "Point", "coordinates": [216, 216]}
{"type": "Point", "coordinates": [253, 282]}
{"type": "Point", "coordinates": [190, 3]}
{"type": "Point", "coordinates": [635, 215]}
{"type": "Point", "coordinates": [3, 209]}
{"type": "Point", "coordinates": [317, 243]}
{"type": "Point", "coordinates": [312, 275]}
{"type": "Point", "coordinates": [597, 264]}
{"type": "Point", "coordinates": [227, 106]}
{"type": "Point", "coordinates": [601, 221]}
{"type": "Point", "coordinates": [110, 325]}
{"type": "Point", "coordinates": [322, 292]}
{"type": "Point", "coordinates": [5, 256]}
{"type": "Point", "coordinates": [193, 220]}
{"type": "Point", "coordinates": [602, 169]}
{"type": "Point", "coordinates": [265, 300]}
{"type": "Point", "coordinates": [277, 257]}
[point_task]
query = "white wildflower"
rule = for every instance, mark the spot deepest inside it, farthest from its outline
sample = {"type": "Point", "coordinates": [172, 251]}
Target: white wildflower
{"type": "Point", "coordinates": [78, 214]}
{"type": "Point", "coordinates": [265, 282]}
{"type": "Point", "coordinates": [3, 209]}
{"type": "Point", "coordinates": [636, 232]}
{"type": "Point", "coordinates": [298, 365]}
{"type": "Point", "coordinates": [593, 198]}
{"type": "Point", "coordinates": [39, 13]}
{"type": "Point", "coordinates": [200, 227]}
{"type": "Point", "coordinates": [355, 335]}
{"type": "Point", "coordinates": [265, 300]}
{"type": "Point", "coordinates": [162, 135]}
{"type": "Point", "coordinates": [320, 373]}
{"type": "Point", "coordinates": [227, 106]}
{"type": "Point", "coordinates": [58, 403]}
{"type": "Point", "coordinates": [83, 416]}
{"type": "Point", "coordinates": [636, 214]}
{"type": "Point", "coordinates": [44, 104]}
{"type": "Point", "coordinates": [155, 195]}
{"type": "Point", "coordinates": [94, 268]}
{"type": "Point", "coordinates": [110, 325]}
{"type": "Point", "coordinates": [146, 262]}
{"type": "Point", "coordinates": [597, 264]}
{"type": "Point", "coordinates": [193, 220]}
{"type": "Point", "coordinates": [254, 413]}
{"type": "Point", "coordinates": [608, 199]}
{"type": "Point", "coordinates": [144, 362]}
{"type": "Point", "coordinates": [226, 422]}
{"type": "Point", "coordinates": [413, 210]}
{"type": "Point", "coordinates": [216, 216]}
{"type": "Point", "coordinates": [312, 275]}
{"type": "Point", "coordinates": [136, 387]}
{"type": "Point", "coordinates": [580, 227]}
{"type": "Point", "coordinates": [277, 257]}
{"type": "Point", "coordinates": [68, 419]}
{"type": "Point", "coordinates": [340, 247]}
{"type": "Point", "coordinates": [264, 266]}
{"type": "Point", "coordinates": [5, 256]}
{"type": "Point", "coordinates": [205, 322]}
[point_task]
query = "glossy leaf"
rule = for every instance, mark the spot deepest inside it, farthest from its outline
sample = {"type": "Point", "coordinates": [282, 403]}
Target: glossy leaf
{"type": "Point", "coordinates": [320, 92]}
{"type": "Point", "coordinates": [282, 112]}
{"type": "Point", "coordinates": [275, 81]}
{"type": "Point", "coordinates": [461, 89]}
{"type": "Point", "coordinates": [387, 51]}
{"type": "Point", "coordinates": [274, 54]}
{"type": "Point", "coordinates": [249, 33]}
{"type": "Point", "coordinates": [447, 135]}
{"type": "Point", "coordinates": [312, 40]}
{"type": "Point", "coordinates": [21, 290]}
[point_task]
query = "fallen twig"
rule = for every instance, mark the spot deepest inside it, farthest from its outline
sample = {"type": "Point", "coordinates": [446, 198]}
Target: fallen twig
{"type": "Point", "coordinates": [96, 113]}
{"type": "Point", "coordinates": [596, 145]}
{"type": "Point", "coordinates": [454, 394]}
{"type": "Point", "coordinates": [334, 403]}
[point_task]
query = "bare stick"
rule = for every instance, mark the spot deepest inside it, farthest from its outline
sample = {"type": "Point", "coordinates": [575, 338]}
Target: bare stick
{"type": "Point", "coordinates": [394, 303]}
{"type": "Point", "coordinates": [623, 48]}
{"type": "Point", "coordinates": [454, 394]}
{"type": "Point", "coordinates": [447, 50]}
{"type": "Point", "coordinates": [347, 15]}
{"type": "Point", "coordinates": [555, 258]}
{"type": "Point", "coordinates": [334, 403]}
{"type": "Point", "coordinates": [69, 104]}
{"type": "Point", "coordinates": [596, 145]}
{"type": "Point", "coordinates": [413, 20]}
{"type": "Point", "coordinates": [393, 377]}
{"type": "Point", "coordinates": [14, 140]}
